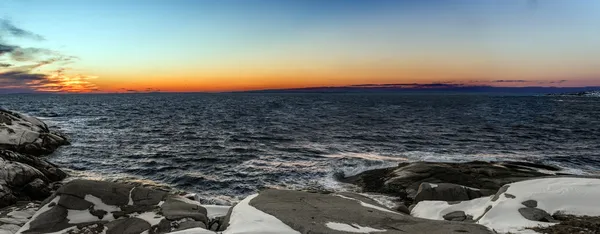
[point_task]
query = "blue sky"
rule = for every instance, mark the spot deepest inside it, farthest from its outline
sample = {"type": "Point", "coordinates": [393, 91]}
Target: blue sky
{"type": "Point", "coordinates": [248, 44]}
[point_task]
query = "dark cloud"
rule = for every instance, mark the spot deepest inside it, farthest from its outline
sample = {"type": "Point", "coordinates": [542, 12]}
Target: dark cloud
{"type": "Point", "coordinates": [510, 81]}
{"type": "Point", "coordinates": [19, 66]}
{"type": "Point", "coordinates": [8, 28]}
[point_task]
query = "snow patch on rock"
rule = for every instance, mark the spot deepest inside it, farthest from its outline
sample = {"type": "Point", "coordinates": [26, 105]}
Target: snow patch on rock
{"type": "Point", "coordinates": [567, 195]}
{"type": "Point", "coordinates": [247, 219]}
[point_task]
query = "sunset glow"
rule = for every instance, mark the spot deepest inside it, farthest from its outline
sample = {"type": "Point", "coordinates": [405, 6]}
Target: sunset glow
{"type": "Point", "coordinates": [212, 46]}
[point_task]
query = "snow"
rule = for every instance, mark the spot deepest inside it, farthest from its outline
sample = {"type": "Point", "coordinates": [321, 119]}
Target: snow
{"type": "Point", "coordinates": [248, 220]}
{"type": "Point", "coordinates": [82, 216]}
{"type": "Point", "coordinates": [130, 203]}
{"type": "Point", "coordinates": [567, 195]}
{"type": "Point", "coordinates": [433, 185]}
{"type": "Point", "coordinates": [150, 217]}
{"type": "Point", "coordinates": [352, 228]}
{"type": "Point", "coordinates": [367, 204]}
{"type": "Point", "coordinates": [100, 205]}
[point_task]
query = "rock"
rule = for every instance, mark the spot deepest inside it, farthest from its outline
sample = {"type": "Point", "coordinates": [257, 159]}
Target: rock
{"type": "Point", "coordinates": [501, 191]}
{"type": "Point", "coordinates": [530, 203]}
{"type": "Point", "coordinates": [37, 189]}
{"type": "Point", "coordinates": [178, 208]}
{"type": "Point", "coordinates": [448, 192]}
{"type": "Point", "coordinates": [402, 209]}
{"type": "Point", "coordinates": [127, 226]}
{"type": "Point", "coordinates": [404, 180]}
{"type": "Point", "coordinates": [455, 216]}
{"type": "Point", "coordinates": [110, 193]}
{"type": "Point", "coordinates": [74, 203]}
{"type": "Point", "coordinates": [190, 224]}
{"type": "Point", "coordinates": [535, 214]}
{"type": "Point", "coordinates": [52, 220]}
{"type": "Point", "coordinates": [321, 213]}
{"type": "Point", "coordinates": [9, 228]}
{"type": "Point", "coordinates": [25, 134]}
{"type": "Point", "coordinates": [147, 197]}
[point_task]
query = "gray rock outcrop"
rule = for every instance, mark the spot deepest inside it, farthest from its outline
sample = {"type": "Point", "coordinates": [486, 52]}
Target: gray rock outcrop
{"type": "Point", "coordinates": [85, 206]}
{"type": "Point", "coordinates": [28, 135]}
{"type": "Point", "coordinates": [404, 180]}
{"type": "Point", "coordinates": [311, 213]}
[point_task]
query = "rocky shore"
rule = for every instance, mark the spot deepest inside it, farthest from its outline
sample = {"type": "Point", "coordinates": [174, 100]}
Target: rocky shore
{"type": "Point", "coordinates": [473, 197]}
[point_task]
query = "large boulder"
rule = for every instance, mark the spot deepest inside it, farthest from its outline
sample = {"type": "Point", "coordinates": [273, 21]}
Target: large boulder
{"type": "Point", "coordinates": [25, 177]}
{"type": "Point", "coordinates": [25, 134]}
{"type": "Point", "coordinates": [404, 180]}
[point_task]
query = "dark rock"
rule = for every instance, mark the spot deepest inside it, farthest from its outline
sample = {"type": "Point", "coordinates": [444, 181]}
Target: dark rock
{"type": "Point", "coordinates": [146, 197]}
{"type": "Point", "coordinates": [127, 226]}
{"type": "Point", "coordinates": [502, 190]}
{"type": "Point", "coordinates": [110, 193]}
{"type": "Point", "coordinates": [30, 135]}
{"type": "Point", "coordinates": [74, 203]}
{"type": "Point", "coordinates": [190, 224]}
{"type": "Point", "coordinates": [402, 209]}
{"type": "Point", "coordinates": [530, 203]}
{"type": "Point", "coordinates": [535, 214]}
{"type": "Point", "coordinates": [53, 220]}
{"type": "Point", "coordinates": [404, 180]}
{"type": "Point", "coordinates": [448, 192]}
{"type": "Point", "coordinates": [174, 209]}
{"type": "Point", "coordinates": [98, 213]}
{"type": "Point", "coordinates": [508, 195]}
{"type": "Point", "coordinates": [456, 216]}
{"type": "Point", "coordinates": [164, 226]}
{"type": "Point", "coordinates": [37, 189]}
{"type": "Point", "coordinates": [311, 211]}
{"type": "Point", "coordinates": [223, 222]}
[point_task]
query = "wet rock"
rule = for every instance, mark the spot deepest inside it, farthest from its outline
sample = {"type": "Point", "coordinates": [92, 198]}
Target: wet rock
{"type": "Point", "coordinates": [404, 180]}
{"type": "Point", "coordinates": [530, 203]}
{"type": "Point", "coordinates": [448, 192]}
{"type": "Point", "coordinates": [535, 214]}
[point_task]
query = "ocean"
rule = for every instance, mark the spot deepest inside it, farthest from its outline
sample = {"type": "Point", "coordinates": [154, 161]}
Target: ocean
{"type": "Point", "coordinates": [226, 146]}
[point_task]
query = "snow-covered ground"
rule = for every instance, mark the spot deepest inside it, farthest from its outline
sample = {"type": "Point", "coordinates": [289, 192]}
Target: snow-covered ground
{"type": "Point", "coordinates": [576, 196]}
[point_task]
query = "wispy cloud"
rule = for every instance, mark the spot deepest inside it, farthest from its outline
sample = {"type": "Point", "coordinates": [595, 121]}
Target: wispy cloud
{"type": "Point", "coordinates": [23, 67]}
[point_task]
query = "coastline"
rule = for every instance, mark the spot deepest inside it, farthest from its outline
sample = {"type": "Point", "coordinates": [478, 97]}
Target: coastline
{"type": "Point", "coordinates": [418, 186]}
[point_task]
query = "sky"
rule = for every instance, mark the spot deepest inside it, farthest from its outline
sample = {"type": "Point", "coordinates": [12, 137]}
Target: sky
{"type": "Point", "coordinates": [232, 45]}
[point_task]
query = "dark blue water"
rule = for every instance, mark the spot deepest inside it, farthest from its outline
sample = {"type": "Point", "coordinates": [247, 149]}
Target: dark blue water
{"type": "Point", "coordinates": [230, 145]}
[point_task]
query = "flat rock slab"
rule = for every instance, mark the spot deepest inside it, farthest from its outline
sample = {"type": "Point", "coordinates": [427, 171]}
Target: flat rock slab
{"type": "Point", "coordinates": [327, 213]}
{"type": "Point", "coordinates": [404, 180]}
